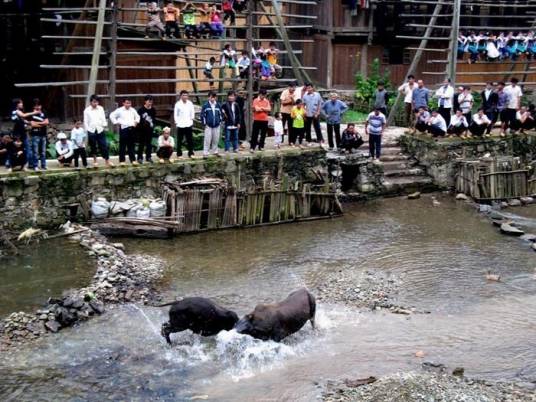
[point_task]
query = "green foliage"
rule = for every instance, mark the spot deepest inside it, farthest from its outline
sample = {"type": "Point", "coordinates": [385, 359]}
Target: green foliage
{"type": "Point", "coordinates": [51, 151]}
{"type": "Point", "coordinates": [366, 86]}
{"type": "Point", "coordinates": [113, 142]}
{"type": "Point", "coordinates": [353, 116]}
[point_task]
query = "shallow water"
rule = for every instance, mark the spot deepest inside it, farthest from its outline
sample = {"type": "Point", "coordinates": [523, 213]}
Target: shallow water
{"type": "Point", "coordinates": [440, 253]}
{"type": "Point", "coordinates": [41, 271]}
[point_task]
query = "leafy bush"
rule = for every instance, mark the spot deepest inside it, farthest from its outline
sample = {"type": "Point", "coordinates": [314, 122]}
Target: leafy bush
{"type": "Point", "coordinates": [366, 86]}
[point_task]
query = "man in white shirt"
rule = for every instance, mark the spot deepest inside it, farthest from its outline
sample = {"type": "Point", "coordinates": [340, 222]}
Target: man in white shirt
{"type": "Point", "coordinates": [445, 93]}
{"type": "Point", "coordinates": [437, 125]}
{"type": "Point", "coordinates": [406, 90]}
{"type": "Point", "coordinates": [64, 150]}
{"type": "Point", "coordinates": [514, 93]}
{"type": "Point", "coordinates": [184, 114]}
{"type": "Point", "coordinates": [94, 123]}
{"type": "Point", "coordinates": [127, 118]}
{"type": "Point", "coordinates": [480, 123]}
{"type": "Point", "coordinates": [458, 124]}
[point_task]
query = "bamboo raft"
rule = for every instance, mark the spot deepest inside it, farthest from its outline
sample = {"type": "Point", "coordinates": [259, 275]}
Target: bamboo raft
{"type": "Point", "coordinates": [212, 204]}
{"type": "Point", "coordinates": [491, 179]}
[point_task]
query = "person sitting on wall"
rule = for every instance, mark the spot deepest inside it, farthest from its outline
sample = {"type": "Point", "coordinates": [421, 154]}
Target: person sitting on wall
{"type": "Point", "coordinates": [166, 145]}
{"type": "Point", "coordinates": [458, 125]}
{"type": "Point", "coordinates": [272, 55]}
{"type": "Point", "coordinates": [524, 119]}
{"type": "Point", "coordinates": [480, 123]}
{"type": "Point", "coordinates": [350, 139]}
{"type": "Point", "coordinates": [5, 144]}
{"type": "Point", "coordinates": [64, 150]}
{"type": "Point", "coordinates": [17, 154]}
{"type": "Point", "coordinates": [421, 118]}
{"type": "Point", "coordinates": [189, 21]}
{"type": "Point", "coordinates": [437, 126]}
{"type": "Point", "coordinates": [228, 11]}
{"type": "Point", "coordinates": [243, 65]}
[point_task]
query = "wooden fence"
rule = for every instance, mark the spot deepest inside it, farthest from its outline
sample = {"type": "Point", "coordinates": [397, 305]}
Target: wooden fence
{"type": "Point", "coordinates": [494, 179]}
{"type": "Point", "coordinates": [212, 204]}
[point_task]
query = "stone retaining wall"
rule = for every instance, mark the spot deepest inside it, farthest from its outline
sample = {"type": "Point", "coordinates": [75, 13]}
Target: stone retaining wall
{"type": "Point", "coordinates": [440, 158]}
{"type": "Point", "coordinates": [48, 199]}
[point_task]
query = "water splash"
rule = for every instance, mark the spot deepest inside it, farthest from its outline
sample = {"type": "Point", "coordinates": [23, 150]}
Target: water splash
{"type": "Point", "coordinates": [154, 329]}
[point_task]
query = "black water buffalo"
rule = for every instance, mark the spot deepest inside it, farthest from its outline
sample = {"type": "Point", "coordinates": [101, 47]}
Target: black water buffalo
{"type": "Point", "coordinates": [279, 320]}
{"type": "Point", "coordinates": [201, 316]}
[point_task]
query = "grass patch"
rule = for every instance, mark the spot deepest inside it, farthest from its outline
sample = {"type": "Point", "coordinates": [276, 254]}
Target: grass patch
{"type": "Point", "coordinates": [353, 116]}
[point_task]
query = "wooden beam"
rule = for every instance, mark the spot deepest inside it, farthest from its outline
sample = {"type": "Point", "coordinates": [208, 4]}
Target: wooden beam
{"type": "Point", "coordinates": [453, 54]}
{"type": "Point", "coordinates": [282, 28]}
{"type": "Point", "coordinates": [416, 60]}
{"type": "Point", "coordinates": [97, 45]}
{"type": "Point", "coordinates": [113, 53]}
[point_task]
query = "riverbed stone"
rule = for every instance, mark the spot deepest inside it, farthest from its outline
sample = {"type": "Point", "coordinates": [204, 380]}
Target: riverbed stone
{"type": "Point", "coordinates": [414, 196]}
{"type": "Point", "coordinates": [527, 200]}
{"type": "Point", "coordinates": [528, 237]}
{"type": "Point", "coordinates": [514, 203]}
{"type": "Point", "coordinates": [461, 197]}
{"type": "Point", "coordinates": [52, 326]}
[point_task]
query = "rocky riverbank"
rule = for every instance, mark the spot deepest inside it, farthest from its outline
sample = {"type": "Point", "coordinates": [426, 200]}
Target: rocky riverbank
{"type": "Point", "coordinates": [364, 290]}
{"type": "Point", "coordinates": [426, 387]}
{"type": "Point", "coordinates": [119, 278]}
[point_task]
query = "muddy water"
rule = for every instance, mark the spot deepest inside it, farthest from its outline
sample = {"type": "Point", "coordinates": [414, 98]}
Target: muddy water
{"type": "Point", "coordinates": [440, 254]}
{"type": "Point", "coordinates": [42, 271]}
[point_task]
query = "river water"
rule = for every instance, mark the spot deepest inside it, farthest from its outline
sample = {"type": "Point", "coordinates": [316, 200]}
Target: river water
{"type": "Point", "coordinates": [440, 254]}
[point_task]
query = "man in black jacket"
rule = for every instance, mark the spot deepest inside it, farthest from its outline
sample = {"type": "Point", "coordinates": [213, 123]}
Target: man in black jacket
{"type": "Point", "coordinates": [490, 99]}
{"type": "Point", "coordinates": [233, 117]}
{"type": "Point", "coordinates": [146, 129]}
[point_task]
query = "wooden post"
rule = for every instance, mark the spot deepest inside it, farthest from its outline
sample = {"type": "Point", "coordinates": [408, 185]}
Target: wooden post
{"type": "Point", "coordinates": [453, 56]}
{"type": "Point", "coordinates": [93, 73]}
{"type": "Point", "coordinates": [416, 58]}
{"type": "Point", "coordinates": [113, 55]}
{"type": "Point", "coordinates": [252, 5]}
{"type": "Point", "coordinates": [288, 47]}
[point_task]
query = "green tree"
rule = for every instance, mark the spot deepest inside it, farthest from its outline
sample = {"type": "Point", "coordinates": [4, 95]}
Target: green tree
{"type": "Point", "coordinates": [365, 86]}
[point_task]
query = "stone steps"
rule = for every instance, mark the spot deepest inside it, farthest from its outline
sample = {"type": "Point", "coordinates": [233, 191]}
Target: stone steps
{"type": "Point", "coordinates": [414, 171]}
{"type": "Point", "coordinates": [394, 158]}
{"type": "Point", "coordinates": [401, 185]}
{"type": "Point", "coordinates": [398, 164]}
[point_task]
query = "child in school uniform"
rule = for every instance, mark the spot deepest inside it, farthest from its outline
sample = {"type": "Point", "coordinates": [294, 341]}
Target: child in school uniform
{"type": "Point", "coordinates": [278, 129]}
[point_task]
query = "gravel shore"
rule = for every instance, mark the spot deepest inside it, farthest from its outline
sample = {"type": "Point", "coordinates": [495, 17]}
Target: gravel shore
{"type": "Point", "coordinates": [427, 387]}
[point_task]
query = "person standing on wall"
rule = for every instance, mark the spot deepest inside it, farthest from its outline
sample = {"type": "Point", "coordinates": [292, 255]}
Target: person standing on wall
{"type": "Point", "coordinates": [184, 114]}
{"type": "Point", "coordinates": [79, 139]}
{"type": "Point", "coordinates": [420, 97]}
{"type": "Point", "coordinates": [333, 110]}
{"type": "Point", "coordinates": [242, 132]}
{"type": "Point", "coordinates": [514, 93]}
{"type": "Point", "coordinates": [406, 89]}
{"type": "Point", "coordinates": [261, 110]}
{"type": "Point", "coordinates": [20, 123]}
{"type": "Point", "coordinates": [445, 94]}
{"type": "Point", "coordinates": [232, 115]}
{"type": "Point", "coordinates": [374, 127]}
{"type": "Point", "coordinates": [287, 99]}
{"type": "Point", "coordinates": [490, 99]}
{"type": "Point", "coordinates": [466, 100]}
{"type": "Point", "coordinates": [146, 129]}
{"type": "Point", "coordinates": [381, 98]}
{"type": "Point", "coordinates": [94, 123]}
{"type": "Point", "coordinates": [313, 105]}
{"type": "Point", "coordinates": [127, 118]}
{"type": "Point", "coordinates": [38, 123]}
{"type": "Point", "coordinates": [211, 118]}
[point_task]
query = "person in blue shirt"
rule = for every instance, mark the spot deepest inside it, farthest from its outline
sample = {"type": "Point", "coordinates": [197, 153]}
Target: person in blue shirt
{"type": "Point", "coordinates": [211, 118]}
{"type": "Point", "coordinates": [420, 97]}
{"type": "Point", "coordinates": [333, 111]}
{"type": "Point", "coordinates": [374, 127]}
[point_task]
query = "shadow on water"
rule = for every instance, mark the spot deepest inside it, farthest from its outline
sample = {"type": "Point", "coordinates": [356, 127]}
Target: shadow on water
{"type": "Point", "coordinates": [440, 254]}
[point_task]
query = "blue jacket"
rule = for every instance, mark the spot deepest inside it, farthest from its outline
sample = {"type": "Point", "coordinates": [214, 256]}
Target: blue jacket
{"type": "Point", "coordinates": [334, 110]}
{"type": "Point", "coordinates": [210, 118]}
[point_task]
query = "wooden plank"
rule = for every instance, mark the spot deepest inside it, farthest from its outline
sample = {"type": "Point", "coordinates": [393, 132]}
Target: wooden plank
{"type": "Point", "coordinates": [93, 72]}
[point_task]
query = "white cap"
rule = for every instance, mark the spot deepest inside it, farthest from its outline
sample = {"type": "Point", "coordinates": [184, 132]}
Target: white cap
{"type": "Point", "coordinates": [61, 136]}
